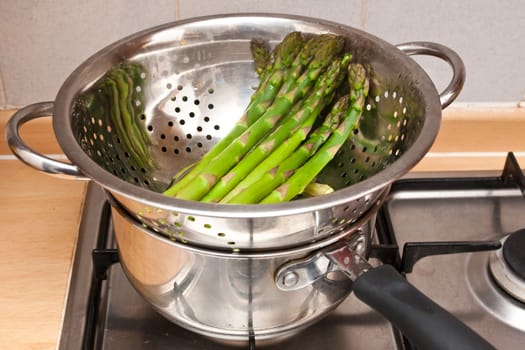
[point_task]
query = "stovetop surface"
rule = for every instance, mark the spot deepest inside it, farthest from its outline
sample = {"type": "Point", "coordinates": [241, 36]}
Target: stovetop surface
{"type": "Point", "coordinates": [471, 209]}
{"type": "Point", "coordinates": [459, 215]}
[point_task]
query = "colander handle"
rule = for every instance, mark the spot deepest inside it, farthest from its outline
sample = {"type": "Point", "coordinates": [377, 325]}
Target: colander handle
{"type": "Point", "coordinates": [29, 156]}
{"type": "Point", "coordinates": [449, 94]}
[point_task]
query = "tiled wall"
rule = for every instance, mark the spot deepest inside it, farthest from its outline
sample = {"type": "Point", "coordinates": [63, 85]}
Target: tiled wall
{"type": "Point", "coordinates": [42, 41]}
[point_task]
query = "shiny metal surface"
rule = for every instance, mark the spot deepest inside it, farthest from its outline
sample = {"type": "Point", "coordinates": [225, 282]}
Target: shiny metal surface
{"type": "Point", "coordinates": [349, 261]}
{"type": "Point", "coordinates": [498, 302]}
{"type": "Point", "coordinates": [223, 295]}
{"type": "Point", "coordinates": [125, 320]}
{"type": "Point", "coordinates": [130, 323]}
{"type": "Point", "coordinates": [218, 297]}
{"type": "Point", "coordinates": [28, 155]}
{"type": "Point", "coordinates": [449, 94]}
{"type": "Point", "coordinates": [300, 273]}
{"type": "Point", "coordinates": [505, 277]}
{"type": "Point", "coordinates": [193, 78]}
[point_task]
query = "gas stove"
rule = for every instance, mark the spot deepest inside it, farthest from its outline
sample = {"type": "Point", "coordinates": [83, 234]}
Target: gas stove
{"type": "Point", "coordinates": [458, 237]}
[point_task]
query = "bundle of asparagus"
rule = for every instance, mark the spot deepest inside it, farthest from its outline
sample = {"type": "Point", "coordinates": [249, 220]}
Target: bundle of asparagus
{"type": "Point", "coordinates": [284, 139]}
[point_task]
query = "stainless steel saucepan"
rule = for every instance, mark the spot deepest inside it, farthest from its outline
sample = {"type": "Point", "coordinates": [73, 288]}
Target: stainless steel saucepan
{"type": "Point", "coordinates": [273, 295]}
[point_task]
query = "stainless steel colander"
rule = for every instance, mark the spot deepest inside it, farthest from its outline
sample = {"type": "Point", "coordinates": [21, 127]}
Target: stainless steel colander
{"type": "Point", "coordinates": [189, 82]}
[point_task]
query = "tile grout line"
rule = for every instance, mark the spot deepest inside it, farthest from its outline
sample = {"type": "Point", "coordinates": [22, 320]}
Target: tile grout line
{"type": "Point", "coordinates": [521, 102]}
{"type": "Point", "coordinates": [177, 9]}
{"type": "Point", "coordinates": [364, 13]}
{"type": "Point", "coordinates": [3, 97]}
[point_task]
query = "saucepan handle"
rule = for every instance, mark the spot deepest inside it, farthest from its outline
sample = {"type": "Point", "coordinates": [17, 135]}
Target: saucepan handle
{"type": "Point", "coordinates": [420, 319]}
{"type": "Point", "coordinates": [29, 156]}
{"type": "Point", "coordinates": [449, 94]}
{"type": "Point", "coordinates": [426, 324]}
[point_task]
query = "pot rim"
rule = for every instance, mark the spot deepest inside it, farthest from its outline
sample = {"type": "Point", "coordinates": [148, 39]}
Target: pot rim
{"type": "Point", "coordinates": [251, 253]}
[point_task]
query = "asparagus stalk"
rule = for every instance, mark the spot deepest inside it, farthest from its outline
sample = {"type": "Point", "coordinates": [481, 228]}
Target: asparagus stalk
{"type": "Point", "coordinates": [260, 103]}
{"type": "Point", "coordinates": [121, 122]}
{"type": "Point", "coordinates": [268, 175]}
{"type": "Point", "coordinates": [261, 53]}
{"type": "Point", "coordinates": [289, 146]}
{"type": "Point", "coordinates": [319, 52]}
{"type": "Point", "coordinates": [136, 74]}
{"type": "Point", "coordinates": [314, 189]}
{"type": "Point", "coordinates": [251, 161]}
{"type": "Point", "coordinates": [138, 139]}
{"type": "Point", "coordinates": [126, 89]}
{"type": "Point", "coordinates": [320, 96]}
{"type": "Point", "coordinates": [283, 56]}
{"type": "Point", "coordinates": [297, 182]}
{"type": "Point", "coordinates": [284, 150]}
{"type": "Point", "coordinates": [278, 155]}
{"type": "Point", "coordinates": [291, 91]}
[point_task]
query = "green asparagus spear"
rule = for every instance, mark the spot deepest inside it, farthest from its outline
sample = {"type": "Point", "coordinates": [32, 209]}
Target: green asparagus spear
{"type": "Point", "coordinates": [265, 97]}
{"type": "Point", "coordinates": [283, 57]}
{"type": "Point", "coordinates": [314, 189]}
{"type": "Point", "coordinates": [282, 152]}
{"type": "Point", "coordinates": [137, 76]}
{"type": "Point", "coordinates": [320, 96]}
{"type": "Point", "coordinates": [137, 131]}
{"type": "Point", "coordinates": [138, 140]}
{"type": "Point", "coordinates": [305, 174]}
{"type": "Point", "coordinates": [261, 54]}
{"type": "Point", "coordinates": [261, 102]}
{"type": "Point", "coordinates": [268, 175]}
{"type": "Point", "coordinates": [109, 89]}
{"type": "Point", "coordinates": [276, 157]}
{"type": "Point", "coordinates": [291, 91]}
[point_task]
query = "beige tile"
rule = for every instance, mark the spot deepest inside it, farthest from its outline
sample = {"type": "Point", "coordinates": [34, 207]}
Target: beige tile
{"type": "Point", "coordinates": [43, 41]}
{"type": "Point", "coordinates": [3, 100]}
{"type": "Point", "coordinates": [343, 11]}
{"type": "Point", "coordinates": [487, 34]}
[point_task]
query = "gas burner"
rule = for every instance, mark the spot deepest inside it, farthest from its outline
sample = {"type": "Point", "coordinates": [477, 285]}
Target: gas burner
{"type": "Point", "coordinates": [507, 265]}
{"type": "Point", "coordinates": [497, 280]}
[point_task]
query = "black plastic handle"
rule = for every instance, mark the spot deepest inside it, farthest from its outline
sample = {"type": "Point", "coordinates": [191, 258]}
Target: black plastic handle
{"type": "Point", "coordinates": [427, 325]}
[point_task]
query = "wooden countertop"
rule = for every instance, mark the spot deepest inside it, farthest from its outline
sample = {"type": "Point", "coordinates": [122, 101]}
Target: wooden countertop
{"type": "Point", "coordinates": [40, 215]}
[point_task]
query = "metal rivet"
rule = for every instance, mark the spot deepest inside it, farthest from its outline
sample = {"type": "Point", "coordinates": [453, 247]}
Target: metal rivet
{"type": "Point", "coordinates": [290, 279]}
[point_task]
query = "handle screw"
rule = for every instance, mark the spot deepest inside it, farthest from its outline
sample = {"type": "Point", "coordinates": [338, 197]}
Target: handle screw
{"type": "Point", "coordinates": [290, 279]}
